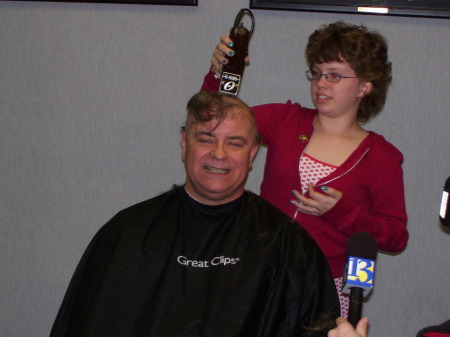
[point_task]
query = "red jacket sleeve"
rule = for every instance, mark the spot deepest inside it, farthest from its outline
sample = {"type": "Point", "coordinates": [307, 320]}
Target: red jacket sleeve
{"type": "Point", "coordinates": [210, 83]}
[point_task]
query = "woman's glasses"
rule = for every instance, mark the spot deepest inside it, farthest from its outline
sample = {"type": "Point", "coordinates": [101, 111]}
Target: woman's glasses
{"type": "Point", "coordinates": [314, 75]}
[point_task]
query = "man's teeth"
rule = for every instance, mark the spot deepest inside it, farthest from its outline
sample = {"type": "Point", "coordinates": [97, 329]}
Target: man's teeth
{"type": "Point", "coordinates": [215, 170]}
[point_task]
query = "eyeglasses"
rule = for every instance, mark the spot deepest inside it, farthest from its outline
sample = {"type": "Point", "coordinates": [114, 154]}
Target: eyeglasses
{"type": "Point", "coordinates": [314, 75]}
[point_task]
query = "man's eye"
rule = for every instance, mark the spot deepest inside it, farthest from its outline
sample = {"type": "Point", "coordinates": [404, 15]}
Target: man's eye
{"type": "Point", "coordinates": [235, 144]}
{"type": "Point", "coordinates": [205, 140]}
{"type": "Point", "coordinates": [315, 74]}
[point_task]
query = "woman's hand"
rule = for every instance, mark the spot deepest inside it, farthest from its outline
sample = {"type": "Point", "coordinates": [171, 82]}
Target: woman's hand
{"type": "Point", "coordinates": [224, 48]}
{"type": "Point", "coordinates": [345, 329]}
{"type": "Point", "coordinates": [317, 203]}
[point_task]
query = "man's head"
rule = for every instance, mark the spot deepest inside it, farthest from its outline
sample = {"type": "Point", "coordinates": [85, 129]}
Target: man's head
{"type": "Point", "coordinates": [219, 142]}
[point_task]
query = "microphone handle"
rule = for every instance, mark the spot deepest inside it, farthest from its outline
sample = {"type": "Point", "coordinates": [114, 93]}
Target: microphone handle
{"type": "Point", "coordinates": [355, 305]}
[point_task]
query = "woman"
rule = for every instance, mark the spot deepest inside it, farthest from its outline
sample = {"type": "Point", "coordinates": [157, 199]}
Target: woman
{"type": "Point", "coordinates": [322, 167]}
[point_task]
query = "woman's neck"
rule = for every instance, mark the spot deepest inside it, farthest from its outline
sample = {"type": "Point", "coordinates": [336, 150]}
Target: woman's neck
{"type": "Point", "coordinates": [337, 126]}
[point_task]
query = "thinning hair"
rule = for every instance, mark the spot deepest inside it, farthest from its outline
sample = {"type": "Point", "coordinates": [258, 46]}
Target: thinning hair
{"type": "Point", "coordinates": [206, 106]}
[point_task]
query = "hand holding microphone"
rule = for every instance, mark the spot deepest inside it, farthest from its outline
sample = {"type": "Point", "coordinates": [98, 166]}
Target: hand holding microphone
{"type": "Point", "coordinates": [344, 328]}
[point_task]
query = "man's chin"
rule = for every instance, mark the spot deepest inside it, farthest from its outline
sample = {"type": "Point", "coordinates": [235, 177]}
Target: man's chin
{"type": "Point", "coordinates": [216, 196]}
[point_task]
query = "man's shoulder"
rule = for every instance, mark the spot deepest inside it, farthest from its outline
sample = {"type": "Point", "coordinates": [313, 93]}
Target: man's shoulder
{"type": "Point", "coordinates": [144, 210]}
{"type": "Point", "coordinates": [272, 217]}
{"type": "Point", "coordinates": [280, 231]}
{"type": "Point", "coordinates": [263, 205]}
{"type": "Point", "coordinates": [148, 204]}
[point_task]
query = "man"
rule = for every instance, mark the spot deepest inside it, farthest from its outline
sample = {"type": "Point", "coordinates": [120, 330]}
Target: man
{"type": "Point", "coordinates": [204, 259]}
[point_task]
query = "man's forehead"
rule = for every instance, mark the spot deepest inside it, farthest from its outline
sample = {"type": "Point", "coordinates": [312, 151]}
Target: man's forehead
{"type": "Point", "coordinates": [213, 126]}
{"type": "Point", "coordinates": [238, 111]}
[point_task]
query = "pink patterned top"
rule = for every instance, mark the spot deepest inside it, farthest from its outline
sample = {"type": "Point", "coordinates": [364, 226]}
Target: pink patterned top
{"type": "Point", "coordinates": [312, 170]}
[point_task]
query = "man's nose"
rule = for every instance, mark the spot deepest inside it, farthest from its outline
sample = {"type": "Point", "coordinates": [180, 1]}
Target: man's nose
{"type": "Point", "coordinates": [219, 151]}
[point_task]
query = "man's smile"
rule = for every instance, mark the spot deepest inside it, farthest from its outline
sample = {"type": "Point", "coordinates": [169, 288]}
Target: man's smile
{"type": "Point", "coordinates": [216, 170]}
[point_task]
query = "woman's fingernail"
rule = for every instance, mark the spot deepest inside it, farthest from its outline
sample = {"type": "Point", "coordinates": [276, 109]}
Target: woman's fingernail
{"type": "Point", "coordinates": [292, 202]}
{"type": "Point", "coordinates": [230, 44]}
{"type": "Point", "coordinates": [324, 188]}
{"type": "Point", "coordinates": [225, 61]}
{"type": "Point", "coordinates": [231, 53]}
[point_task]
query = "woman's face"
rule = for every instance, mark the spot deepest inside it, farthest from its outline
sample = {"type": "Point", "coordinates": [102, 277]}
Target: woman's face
{"type": "Point", "coordinates": [335, 99]}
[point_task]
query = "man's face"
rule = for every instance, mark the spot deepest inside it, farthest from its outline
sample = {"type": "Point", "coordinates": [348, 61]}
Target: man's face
{"type": "Point", "coordinates": [217, 159]}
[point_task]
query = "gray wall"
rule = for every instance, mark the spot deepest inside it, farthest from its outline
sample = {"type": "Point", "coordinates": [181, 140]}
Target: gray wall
{"type": "Point", "coordinates": [92, 97]}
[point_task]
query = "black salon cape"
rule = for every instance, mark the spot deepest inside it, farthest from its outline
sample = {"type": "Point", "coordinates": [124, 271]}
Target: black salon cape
{"type": "Point", "coordinates": [171, 267]}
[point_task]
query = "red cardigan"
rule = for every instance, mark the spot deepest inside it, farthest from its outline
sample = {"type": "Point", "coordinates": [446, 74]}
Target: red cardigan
{"type": "Point", "coordinates": [371, 180]}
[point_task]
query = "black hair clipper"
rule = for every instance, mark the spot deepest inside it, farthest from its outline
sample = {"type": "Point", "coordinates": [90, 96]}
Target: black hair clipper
{"type": "Point", "coordinates": [232, 72]}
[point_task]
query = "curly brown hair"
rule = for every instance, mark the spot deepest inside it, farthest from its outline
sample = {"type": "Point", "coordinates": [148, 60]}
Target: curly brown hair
{"type": "Point", "coordinates": [365, 51]}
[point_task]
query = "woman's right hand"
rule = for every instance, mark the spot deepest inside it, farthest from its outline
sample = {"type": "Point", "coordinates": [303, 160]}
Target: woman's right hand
{"type": "Point", "coordinates": [218, 59]}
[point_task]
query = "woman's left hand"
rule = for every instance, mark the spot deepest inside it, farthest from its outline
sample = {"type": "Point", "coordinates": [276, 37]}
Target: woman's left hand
{"type": "Point", "coordinates": [318, 203]}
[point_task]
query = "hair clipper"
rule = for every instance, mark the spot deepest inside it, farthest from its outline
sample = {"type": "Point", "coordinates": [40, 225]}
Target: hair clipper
{"type": "Point", "coordinates": [232, 72]}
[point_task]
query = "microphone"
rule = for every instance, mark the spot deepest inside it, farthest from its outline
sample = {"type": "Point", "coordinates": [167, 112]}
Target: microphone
{"type": "Point", "coordinates": [359, 272]}
{"type": "Point", "coordinates": [444, 212]}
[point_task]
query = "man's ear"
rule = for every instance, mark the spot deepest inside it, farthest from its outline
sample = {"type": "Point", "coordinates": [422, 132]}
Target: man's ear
{"type": "Point", "coordinates": [183, 144]}
{"type": "Point", "coordinates": [253, 153]}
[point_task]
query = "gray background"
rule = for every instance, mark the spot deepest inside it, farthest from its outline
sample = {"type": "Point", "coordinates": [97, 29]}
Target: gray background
{"type": "Point", "coordinates": [92, 98]}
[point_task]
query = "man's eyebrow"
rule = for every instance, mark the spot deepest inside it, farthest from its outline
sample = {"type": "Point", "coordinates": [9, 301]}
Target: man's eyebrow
{"type": "Point", "coordinates": [204, 133]}
{"type": "Point", "coordinates": [211, 134]}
